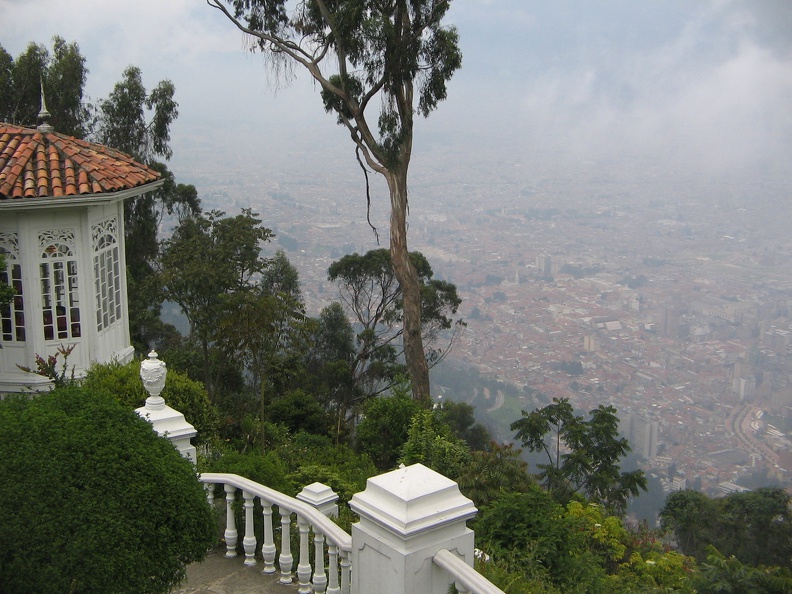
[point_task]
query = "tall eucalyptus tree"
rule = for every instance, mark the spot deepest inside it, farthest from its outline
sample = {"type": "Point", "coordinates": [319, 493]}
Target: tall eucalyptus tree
{"type": "Point", "coordinates": [61, 72]}
{"type": "Point", "coordinates": [377, 64]}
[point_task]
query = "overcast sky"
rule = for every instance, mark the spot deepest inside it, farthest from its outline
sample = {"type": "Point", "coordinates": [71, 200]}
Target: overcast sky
{"type": "Point", "coordinates": [700, 84]}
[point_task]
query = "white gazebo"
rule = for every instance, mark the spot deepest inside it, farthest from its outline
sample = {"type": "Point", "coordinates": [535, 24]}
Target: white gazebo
{"type": "Point", "coordinates": [62, 236]}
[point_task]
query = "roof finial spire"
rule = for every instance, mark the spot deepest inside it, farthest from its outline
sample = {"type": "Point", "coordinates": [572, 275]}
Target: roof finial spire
{"type": "Point", "coordinates": [44, 127]}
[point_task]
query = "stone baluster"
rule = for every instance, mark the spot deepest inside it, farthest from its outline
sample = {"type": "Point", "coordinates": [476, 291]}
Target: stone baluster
{"type": "Point", "coordinates": [209, 494]}
{"type": "Point", "coordinates": [231, 533]}
{"type": "Point", "coordinates": [268, 545]}
{"type": "Point", "coordinates": [304, 564]}
{"type": "Point", "coordinates": [346, 572]}
{"type": "Point", "coordinates": [332, 569]}
{"type": "Point", "coordinates": [285, 560]}
{"type": "Point", "coordinates": [461, 589]}
{"type": "Point", "coordinates": [319, 576]}
{"type": "Point", "coordinates": [249, 541]}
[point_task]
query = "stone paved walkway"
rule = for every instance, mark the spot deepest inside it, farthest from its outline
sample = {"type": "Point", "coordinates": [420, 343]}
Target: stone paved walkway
{"type": "Point", "coordinates": [218, 575]}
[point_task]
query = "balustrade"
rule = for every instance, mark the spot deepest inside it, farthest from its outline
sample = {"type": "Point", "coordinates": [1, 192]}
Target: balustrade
{"type": "Point", "coordinates": [329, 572]}
{"type": "Point", "coordinates": [382, 527]}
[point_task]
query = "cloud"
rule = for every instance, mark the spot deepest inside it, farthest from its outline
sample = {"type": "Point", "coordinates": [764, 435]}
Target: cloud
{"type": "Point", "coordinates": [708, 96]}
{"type": "Point", "coordinates": [672, 82]}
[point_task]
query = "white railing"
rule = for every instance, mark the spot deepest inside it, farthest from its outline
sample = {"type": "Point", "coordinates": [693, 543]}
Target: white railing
{"type": "Point", "coordinates": [466, 579]}
{"type": "Point", "coordinates": [331, 577]}
{"type": "Point", "coordinates": [398, 511]}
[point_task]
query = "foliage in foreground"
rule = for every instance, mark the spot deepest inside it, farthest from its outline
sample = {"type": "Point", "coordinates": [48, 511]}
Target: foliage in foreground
{"type": "Point", "coordinates": [534, 544]}
{"type": "Point", "coordinates": [94, 500]}
{"type": "Point", "coordinates": [755, 527]}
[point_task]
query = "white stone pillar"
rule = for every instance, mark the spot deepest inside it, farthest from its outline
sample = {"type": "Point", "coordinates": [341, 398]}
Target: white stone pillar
{"type": "Point", "coordinates": [406, 516]}
{"type": "Point", "coordinates": [166, 421]}
{"type": "Point", "coordinates": [321, 497]}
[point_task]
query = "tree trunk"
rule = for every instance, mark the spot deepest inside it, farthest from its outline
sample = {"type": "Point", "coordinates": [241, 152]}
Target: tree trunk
{"type": "Point", "coordinates": [208, 380]}
{"type": "Point", "coordinates": [414, 355]}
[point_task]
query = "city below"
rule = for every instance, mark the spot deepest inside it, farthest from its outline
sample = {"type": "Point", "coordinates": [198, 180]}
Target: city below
{"type": "Point", "coordinates": [665, 295]}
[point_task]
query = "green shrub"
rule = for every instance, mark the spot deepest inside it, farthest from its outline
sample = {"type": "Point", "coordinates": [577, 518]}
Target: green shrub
{"type": "Point", "coordinates": [299, 411]}
{"type": "Point", "coordinates": [266, 469]}
{"type": "Point", "coordinates": [93, 500]}
{"type": "Point", "coordinates": [315, 458]}
{"type": "Point", "coordinates": [385, 427]}
{"type": "Point", "coordinates": [432, 444]}
{"type": "Point", "coordinates": [181, 393]}
{"type": "Point", "coordinates": [538, 538]}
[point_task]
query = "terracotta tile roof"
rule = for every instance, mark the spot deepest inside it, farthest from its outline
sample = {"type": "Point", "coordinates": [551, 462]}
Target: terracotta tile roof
{"type": "Point", "coordinates": [36, 164]}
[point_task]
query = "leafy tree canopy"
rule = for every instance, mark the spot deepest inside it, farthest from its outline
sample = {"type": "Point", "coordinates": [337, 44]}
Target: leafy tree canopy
{"type": "Point", "coordinates": [62, 74]}
{"type": "Point", "coordinates": [209, 259]}
{"type": "Point", "coordinates": [431, 442]}
{"type": "Point", "coordinates": [369, 289]}
{"type": "Point", "coordinates": [755, 526]}
{"type": "Point", "coordinates": [492, 473]}
{"type": "Point", "coordinates": [330, 364]}
{"type": "Point", "coordinates": [385, 427]}
{"type": "Point", "coordinates": [459, 416]}
{"type": "Point", "coordinates": [547, 543]}
{"type": "Point", "coordinates": [593, 452]}
{"type": "Point", "coordinates": [720, 574]}
{"type": "Point", "coordinates": [122, 117]}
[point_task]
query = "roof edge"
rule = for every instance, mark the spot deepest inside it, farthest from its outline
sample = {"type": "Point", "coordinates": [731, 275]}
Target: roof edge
{"type": "Point", "coordinates": [35, 202]}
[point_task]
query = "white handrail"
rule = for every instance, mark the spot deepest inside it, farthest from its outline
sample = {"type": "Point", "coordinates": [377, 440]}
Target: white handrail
{"type": "Point", "coordinates": [463, 574]}
{"type": "Point", "coordinates": [332, 532]}
{"type": "Point", "coordinates": [336, 577]}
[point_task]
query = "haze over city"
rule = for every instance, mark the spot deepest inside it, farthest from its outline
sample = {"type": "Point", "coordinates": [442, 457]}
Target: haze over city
{"type": "Point", "coordinates": [607, 183]}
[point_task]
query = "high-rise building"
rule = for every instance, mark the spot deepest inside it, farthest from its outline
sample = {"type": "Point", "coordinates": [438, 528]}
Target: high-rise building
{"type": "Point", "coordinates": [544, 266]}
{"type": "Point", "coordinates": [642, 433]}
{"type": "Point", "coordinates": [591, 343]}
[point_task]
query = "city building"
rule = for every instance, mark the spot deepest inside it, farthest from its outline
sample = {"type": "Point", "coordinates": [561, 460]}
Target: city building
{"type": "Point", "coordinates": [642, 433]}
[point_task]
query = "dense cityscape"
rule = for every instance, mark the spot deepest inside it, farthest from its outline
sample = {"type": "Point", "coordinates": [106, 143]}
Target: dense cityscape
{"type": "Point", "coordinates": [606, 287]}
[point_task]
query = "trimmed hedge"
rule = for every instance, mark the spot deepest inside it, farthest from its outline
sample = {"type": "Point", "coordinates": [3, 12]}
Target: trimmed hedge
{"type": "Point", "coordinates": [93, 500]}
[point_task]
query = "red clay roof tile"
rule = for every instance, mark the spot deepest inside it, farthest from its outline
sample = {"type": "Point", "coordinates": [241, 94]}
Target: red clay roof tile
{"type": "Point", "coordinates": [48, 164]}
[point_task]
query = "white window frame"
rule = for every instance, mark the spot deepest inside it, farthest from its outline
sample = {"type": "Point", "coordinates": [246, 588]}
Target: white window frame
{"type": "Point", "coordinates": [107, 273]}
{"type": "Point", "coordinates": [12, 315]}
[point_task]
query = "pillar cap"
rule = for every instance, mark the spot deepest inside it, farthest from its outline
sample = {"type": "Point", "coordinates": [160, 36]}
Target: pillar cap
{"type": "Point", "coordinates": [317, 495]}
{"type": "Point", "coordinates": [412, 499]}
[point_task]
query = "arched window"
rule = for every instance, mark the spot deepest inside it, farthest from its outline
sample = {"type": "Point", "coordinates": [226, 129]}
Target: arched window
{"type": "Point", "coordinates": [107, 273]}
{"type": "Point", "coordinates": [12, 315]}
{"type": "Point", "coordinates": [60, 299]}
